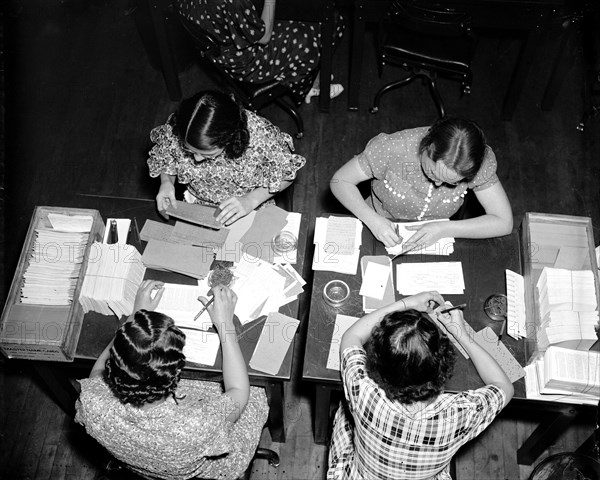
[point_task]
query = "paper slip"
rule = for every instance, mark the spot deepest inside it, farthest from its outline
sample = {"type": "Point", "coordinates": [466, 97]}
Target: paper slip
{"type": "Point", "coordinates": [375, 280]}
{"type": "Point", "coordinates": [571, 258]}
{"type": "Point", "coordinates": [488, 340]}
{"type": "Point", "coordinates": [445, 277]}
{"type": "Point", "coordinates": [342, 323]}
{"type": "Point", "coordinates": [258, 239]}
{"type": "Point", "coordinates": [231, 250]}
{"type": "Point", "coordinates": [188, 260]}
{"type": "Point", "coordinates": [337, 244]}
{"type": "Point", "coordinates": [516, 315]}
{"type": "Point", "coordinates": [71, 223]}
{"type": "Point", "coordinates": [274, 342]}
{"type": "Point", "coordinates": [292, 226]}
{"type": "Point", "coordinates": [195, 213]}
{"type": "Point", "coordinates": [444, 246]}
{"type": "Point", "coordinates": [201, 347]}
{"type": "Point", "coordinates": [156, 230]}
{"type": "Point", "coordinates": [188, 234]}
{"type": "Point", "coordinates": [370, 304]}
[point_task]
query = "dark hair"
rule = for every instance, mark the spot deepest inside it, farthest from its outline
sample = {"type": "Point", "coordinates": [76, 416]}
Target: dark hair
{"type": "Point", "coordinates": [459, 143]}
{"type": "Point", "coordinates": [409, 357]}
{"type": "Point", "coordinates": [146, 358]}
{"type": "Point", "coordinates": [213, 119]}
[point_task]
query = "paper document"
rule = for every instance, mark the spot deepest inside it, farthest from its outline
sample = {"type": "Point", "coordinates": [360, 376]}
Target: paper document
{"type": "Point", "coordinates": [201, 347]}
{"type": "Point", "coordinates": [516, 316]}
{"type": "Point", "coordinates": [180, 302]}
{"type": "Point", "coordinates": [488, 340]}
{"type": "Point", "coordinates": [445, 277]}
{"type": "Point", "coordinates": [369, 303]}
{"type": "Point", "coordinates": [337, 244]}
{"type": "Point", "coordinates": [342, 323]}
{"type": "Point", "coordinates": [375, 280]}
{"type": "Point", "coordinates": [444, 246]}
{"type": "Point", "coordinates": [274, 342]}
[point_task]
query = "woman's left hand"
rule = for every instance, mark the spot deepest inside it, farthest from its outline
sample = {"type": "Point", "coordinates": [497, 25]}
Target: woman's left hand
{"type": "Point", "coordinates": [145, 299]}
{"type": "Point", "coordinates": [233, 209]}
{"type": "Point", "coordinates": [425, 235]}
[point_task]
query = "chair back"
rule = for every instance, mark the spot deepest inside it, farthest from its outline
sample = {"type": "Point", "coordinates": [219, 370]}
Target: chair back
{"type": "Point", "coordinates": [434, 20]}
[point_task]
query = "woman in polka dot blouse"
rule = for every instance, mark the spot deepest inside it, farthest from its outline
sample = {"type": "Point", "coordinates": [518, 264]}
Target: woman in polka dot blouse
{"type": "Point", "coordinates": [423, 174]}
{"type": "Point", "coordinates": [257, 48]}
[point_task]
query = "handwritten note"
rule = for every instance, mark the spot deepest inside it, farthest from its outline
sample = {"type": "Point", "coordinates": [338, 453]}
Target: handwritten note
{"type": "Point", "coordinates": [337, 244]}
{"type": "Point", "coordinates": [445, 277]}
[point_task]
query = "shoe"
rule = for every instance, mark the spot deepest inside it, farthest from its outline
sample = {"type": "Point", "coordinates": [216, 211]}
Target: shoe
{"type": "Point", "coordinates": [334, 91]}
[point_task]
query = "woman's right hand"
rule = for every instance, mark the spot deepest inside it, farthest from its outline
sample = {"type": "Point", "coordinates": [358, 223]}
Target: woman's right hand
{"type": "Point", "coordinates": [384, 231]}
{"type": "Point", "coordinates": [453, 321]}
{"type": "Point", "coordinates": [222, 308]}
{"type": "Point", "coordinates": [165, 198]}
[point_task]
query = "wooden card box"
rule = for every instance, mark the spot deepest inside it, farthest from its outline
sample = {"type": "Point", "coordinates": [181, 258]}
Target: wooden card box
{"type": "Point", "coordinates": [44, 332]}
{"type": "Point", "coordinates": [543, 235]}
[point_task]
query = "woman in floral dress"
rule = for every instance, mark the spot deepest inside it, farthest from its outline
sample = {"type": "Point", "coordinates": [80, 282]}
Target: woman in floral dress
{"type": "Point", "coordinates": [227, 156]}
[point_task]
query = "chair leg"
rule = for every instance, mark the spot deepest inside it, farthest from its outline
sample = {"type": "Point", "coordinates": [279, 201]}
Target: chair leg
{"type": "Point", "coordinates": [391, 86]}
{"type": "Point", "coordinates": [292, 112]}
{"type": "Point", "coordinates": [437, 98]}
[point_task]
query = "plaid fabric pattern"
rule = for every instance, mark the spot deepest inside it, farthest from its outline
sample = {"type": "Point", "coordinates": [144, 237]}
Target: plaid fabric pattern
{"type": "Point", "coordinates": [375, 438]}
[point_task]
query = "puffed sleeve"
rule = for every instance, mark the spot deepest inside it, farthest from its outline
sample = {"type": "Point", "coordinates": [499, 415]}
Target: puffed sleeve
{"type": "Point", "coordinates": [166, 153]}
{"type": "Point", "coordinates": [374, 159]}
{"type": "Point", "coordinates": [486, 176]}
{"type": "Point", "coordinates": [272, 151]}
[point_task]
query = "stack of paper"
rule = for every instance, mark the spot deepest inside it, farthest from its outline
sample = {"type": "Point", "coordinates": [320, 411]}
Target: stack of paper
{"type": "Point", "coordinates": [185, 259]}
{"type": "Point", "coordinates": [568, 308]}
{"type": "Point", "coordinates": [377, 286]}
{"type": "Point", "coordinates": [337, 244]}
{"type": "Point", "coordinates": [564, 375]}
{"type": "Point", "coordinates": [445, 277]}
{"type": "Point", "coordinates": [516, 319]}
{"type": "Point", "coordinates": [54, 264]}
{"type": "Point", "coordinates": [444, 246]}
{"type": "Point", "coordinates": [114, 273]}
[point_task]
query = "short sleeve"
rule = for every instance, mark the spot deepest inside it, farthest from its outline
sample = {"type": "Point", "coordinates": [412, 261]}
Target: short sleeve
{"type": "Point", "coordinates": [273, 152]}
{"type": "Point", "coordinates": [373, 160]}
{"type": "Point", "coordinates": [353, 372]}
{"type": "Point", "coordinates": [486, 176]}
{"type": "Point", "coordinates": [484, 405]}
{"type": "Point", "coordinates": [166, 153]}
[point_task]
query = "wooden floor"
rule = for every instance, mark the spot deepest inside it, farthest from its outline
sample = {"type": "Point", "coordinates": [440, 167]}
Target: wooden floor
{"type": "Point", "coordinates": [81, 100]}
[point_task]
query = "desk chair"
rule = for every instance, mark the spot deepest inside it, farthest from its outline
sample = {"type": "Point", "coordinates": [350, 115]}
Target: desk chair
{"type": "Point", "coordinates": [254, 96]}
{"type": "Point", "coordinates": [117, 470]}
{"type": "Point", "coordinates": [426, 42]}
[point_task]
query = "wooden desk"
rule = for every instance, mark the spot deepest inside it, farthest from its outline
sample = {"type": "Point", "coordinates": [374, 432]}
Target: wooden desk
{"type": "Point", "coordinates": [98, 330]}
{"type": "Point", "coordinates": [527, 18]}
{"type": "Point", "coordinates": [159, 37]}
{"type": "Point", "coordinates": [484, 263]}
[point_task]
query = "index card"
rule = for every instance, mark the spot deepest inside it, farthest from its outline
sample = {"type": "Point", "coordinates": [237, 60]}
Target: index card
{"type": "Point", "coordinates": [274, 342]}
{"type": "Point", "coordinates": [375, 280]}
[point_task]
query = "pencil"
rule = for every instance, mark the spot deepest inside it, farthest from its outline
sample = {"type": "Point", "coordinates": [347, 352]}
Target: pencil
{"type": "Point", "coordinates": [446, 310]}
{"type": "Point", "coordinates": [208, 304]}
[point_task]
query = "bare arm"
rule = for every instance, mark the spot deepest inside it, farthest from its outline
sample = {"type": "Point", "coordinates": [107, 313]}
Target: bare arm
{"type": "Point", "coordinates": [343, 185]}
{"type": "Point", "coordinates": [497, 221]}
{"type": "Point", "coordinates": [487, 368]}
{"type": "Point", "coordinates": [166, 194]}
{"type": "Point", "coordinates": [235, 373]}
{"type": "Point", "coordinates": [268, 17]}
{"type": "Point", "coordinates": [235, 208]}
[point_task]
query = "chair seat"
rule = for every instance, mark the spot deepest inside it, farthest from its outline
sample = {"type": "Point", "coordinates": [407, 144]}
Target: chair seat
{"type": "Point", "coordinates": [263, 93]}
{"type": "Point", "coordinates": [452, 54]}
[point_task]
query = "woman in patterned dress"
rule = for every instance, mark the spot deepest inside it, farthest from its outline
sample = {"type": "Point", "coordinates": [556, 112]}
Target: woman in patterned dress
{"type": "Point", "coordinates": [257, 48]}
{"type": "Point", "coordinates": [135, 405]}
{"type": "Point", "coordinates": [227, 156]}
{"type": "Point", "coordinates": [424, 174]}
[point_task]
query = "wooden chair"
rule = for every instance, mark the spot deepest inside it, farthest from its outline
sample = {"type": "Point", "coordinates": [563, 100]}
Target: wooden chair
{"type": "Point", "coordinates": [427, 42]}
{"type": "Point", "coordinates": [254, 95]}
{"type": "Point", "coordinates": [117, 470]}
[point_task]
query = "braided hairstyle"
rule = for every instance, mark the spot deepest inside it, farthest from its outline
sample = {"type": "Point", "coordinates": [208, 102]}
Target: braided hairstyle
{"type": "Point", "coordinates": [409, 357]}
{"type": "Point", "coordinates": [146, 359]}
{"type": "Point", "coordinates": [459, 143]}
{"type": "Point", "coordinates": [213, 119]}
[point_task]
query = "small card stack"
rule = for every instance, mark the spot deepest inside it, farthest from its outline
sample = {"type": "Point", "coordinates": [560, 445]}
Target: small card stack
{"type": "Point", "coordinates": [568, 308]}
{"type": "Point", "coordinates": [112, 279]}
{"type": "Point", "coordinates": [377, 287]}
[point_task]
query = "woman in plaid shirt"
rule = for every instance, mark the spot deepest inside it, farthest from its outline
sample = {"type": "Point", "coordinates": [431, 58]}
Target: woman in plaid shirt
{"type": "Point", "coordinates": [397, 423]}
